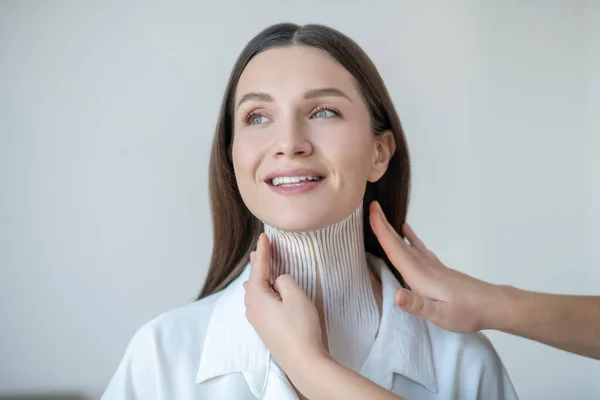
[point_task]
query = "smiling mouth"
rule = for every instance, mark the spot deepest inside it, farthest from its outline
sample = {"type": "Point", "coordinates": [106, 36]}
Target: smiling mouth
{"type": "Point", "coordinates": [292, 181]}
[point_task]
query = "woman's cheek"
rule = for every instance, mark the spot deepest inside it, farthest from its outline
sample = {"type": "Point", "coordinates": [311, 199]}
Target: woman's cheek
{"type": "Point", "coordinates": [247, 156]}
{"type": "Point", "coordinates": [353, 153]}
{"type": "Point", "coordinates": [242, 148]}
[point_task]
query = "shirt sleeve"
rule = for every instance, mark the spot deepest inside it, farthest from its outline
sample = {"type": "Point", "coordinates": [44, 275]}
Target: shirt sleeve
{"type": "Point", "coordinates": [135, 378]}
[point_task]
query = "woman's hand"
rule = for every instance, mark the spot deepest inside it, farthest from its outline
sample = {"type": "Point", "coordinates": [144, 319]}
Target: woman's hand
{"type": "Point", "coordinates": [288, 323]}
{"type": "Point", "coordinates": [448, 298]}
{"type": "Point", "coordinates": [282, 315]}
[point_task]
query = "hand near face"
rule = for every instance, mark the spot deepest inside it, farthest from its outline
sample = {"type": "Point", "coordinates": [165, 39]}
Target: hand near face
{"type": "Point", "coordinates": [282, 314]}
{"type": "Point", "coordinates": [448, 298]}
{"type": "Point", "coordinates": [288, 323]}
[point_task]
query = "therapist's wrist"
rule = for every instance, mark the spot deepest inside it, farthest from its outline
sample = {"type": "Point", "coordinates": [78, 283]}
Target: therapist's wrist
{"type": "Point", "coordinates": [501, 308]}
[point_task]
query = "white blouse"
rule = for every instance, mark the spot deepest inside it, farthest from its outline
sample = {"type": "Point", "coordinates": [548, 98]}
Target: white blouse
{"type": "Point", "coordinates": [208, 350]}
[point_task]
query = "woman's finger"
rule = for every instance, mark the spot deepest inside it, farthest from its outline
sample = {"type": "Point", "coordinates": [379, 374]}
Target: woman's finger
{"type": "Point", "coordinates": [260, 274]}
{"type": "Point", "coordinates": [286, 287]}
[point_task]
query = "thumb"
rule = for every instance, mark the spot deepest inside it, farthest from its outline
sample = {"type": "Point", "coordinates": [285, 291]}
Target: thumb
{"type": "Point", "coordinates": [260, 274]}
{"type": "Point", "coordinates": [413, 303]}
{"type": "Point", "coordinates": [287, 287]}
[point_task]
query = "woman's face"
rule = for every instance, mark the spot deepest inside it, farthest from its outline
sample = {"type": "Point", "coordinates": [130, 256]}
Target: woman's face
{"type": "Point", "coordinates": [303, 149]}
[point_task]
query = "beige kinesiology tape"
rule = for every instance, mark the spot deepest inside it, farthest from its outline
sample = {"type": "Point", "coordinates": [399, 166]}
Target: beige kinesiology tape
{"type": "Point", "coordinates": [336, 255]}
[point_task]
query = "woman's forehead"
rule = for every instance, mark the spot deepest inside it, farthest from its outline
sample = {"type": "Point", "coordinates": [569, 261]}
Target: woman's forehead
{"type": "Point", "coordinates": [288, 72]}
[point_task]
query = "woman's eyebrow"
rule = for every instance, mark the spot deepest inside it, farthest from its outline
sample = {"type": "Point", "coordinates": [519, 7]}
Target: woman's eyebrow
{"type": "Point", "coordinates": [309, 94]}
{"type": "Point", "coordinates": [254, 96]}
{"type": "Point", "coordinates": [326, 92]}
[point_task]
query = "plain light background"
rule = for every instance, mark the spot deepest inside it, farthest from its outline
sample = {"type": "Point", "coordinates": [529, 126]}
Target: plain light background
{"type": "Point", "coordinates": [107, 112]}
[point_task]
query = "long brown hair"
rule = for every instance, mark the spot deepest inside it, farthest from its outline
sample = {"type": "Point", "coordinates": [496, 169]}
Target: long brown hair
{"type": "Point", "coordinates": [235, 229]}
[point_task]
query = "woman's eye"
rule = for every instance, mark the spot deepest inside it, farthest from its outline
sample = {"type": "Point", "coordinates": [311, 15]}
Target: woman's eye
{"type": "Point", "coordinates": [324, 113]}
{"type": "Point", "coordinates": [257, 119]}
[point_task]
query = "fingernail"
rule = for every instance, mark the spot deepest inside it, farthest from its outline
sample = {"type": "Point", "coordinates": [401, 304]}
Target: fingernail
{"type": "Point", "coordinates": [385, 221]}
{"type": "Point", "coordinates": [404, 228]}
{"type": "Point", "coordinates": [380, 213]}
{"type": "Point", "coordinates": [378, 207]}
{"type": "Point", "coordinates": [401, 298]}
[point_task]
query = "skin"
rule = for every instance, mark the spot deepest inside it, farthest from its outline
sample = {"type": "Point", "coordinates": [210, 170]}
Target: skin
{"type": "Point", "coordinates": [446, 297]}
{"type": "Point", "coordinates": [295, 123]}
{"type": "Point", "coordinates": [460, 303]}
{"type": "Point", "coordinates": [296, 107]}
{"type": "Point", "coordinates": [288, 322]}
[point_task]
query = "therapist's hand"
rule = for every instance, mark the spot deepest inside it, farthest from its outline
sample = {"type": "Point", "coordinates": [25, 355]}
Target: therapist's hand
{"type": "Point", "coordinates": [288, 324]}
{"type": "Point", "coordinates": [448, 298]}
{"type": "Point", "coordinates": [282, 314]}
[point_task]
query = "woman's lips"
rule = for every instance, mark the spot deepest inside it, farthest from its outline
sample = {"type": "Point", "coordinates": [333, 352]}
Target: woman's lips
{"type": "Point", "coordinates": [294, 181]}
{"type": "Point", "coordinates": [296, 188]}
{"type": "Point", "coordinates": [289, 173]}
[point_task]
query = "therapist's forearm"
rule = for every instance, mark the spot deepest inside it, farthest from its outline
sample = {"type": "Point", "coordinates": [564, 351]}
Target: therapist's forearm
{"type": "Point", "coordinates": [570, 323]}
{"type": "Point", "coordinates": [327, 380]}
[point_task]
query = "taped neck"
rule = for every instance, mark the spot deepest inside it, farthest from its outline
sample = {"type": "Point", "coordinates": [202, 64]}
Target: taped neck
{"type": "Point", "coordinates": [337, 251]}
{"type": "Point", "coordinates": [330, 264]}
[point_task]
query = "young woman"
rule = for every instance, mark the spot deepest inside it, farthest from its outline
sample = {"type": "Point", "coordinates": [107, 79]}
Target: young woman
{"type": "Point", "coordinates": [306, 139]}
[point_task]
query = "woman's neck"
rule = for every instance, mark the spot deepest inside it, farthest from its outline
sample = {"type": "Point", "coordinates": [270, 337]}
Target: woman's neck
{"type": "Point", "coordinates": [330, 265]}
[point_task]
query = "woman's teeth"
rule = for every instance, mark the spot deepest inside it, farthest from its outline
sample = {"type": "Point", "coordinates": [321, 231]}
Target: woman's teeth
{"type": "Point", "coordinates": [293, 180]}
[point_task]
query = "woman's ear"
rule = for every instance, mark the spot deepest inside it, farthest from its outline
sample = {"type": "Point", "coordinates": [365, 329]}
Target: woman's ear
{"type": "Point", "coordinates": [385, 147]}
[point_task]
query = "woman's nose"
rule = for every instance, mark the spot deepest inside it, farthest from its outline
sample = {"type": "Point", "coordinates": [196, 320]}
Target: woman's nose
{"type": "Point", "coordinates": [292, 141]}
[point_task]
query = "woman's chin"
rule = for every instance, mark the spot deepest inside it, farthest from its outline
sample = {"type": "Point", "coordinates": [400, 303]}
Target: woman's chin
{"type": "Point", "coordinates": [297, 226]}
{"type": "Point", "coordinates": [298, 223]}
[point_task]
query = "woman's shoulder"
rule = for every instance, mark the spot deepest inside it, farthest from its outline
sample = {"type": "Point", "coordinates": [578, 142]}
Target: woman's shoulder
{"type": "Point", "coordinates": [189, 322]}
{"type": "Point", "coordinates": [473, 345]}
{"type": "Point", "coordinates": [184, 322]}
{"type": "Point", "coordinates": [167, 349]}
{"type": "Point", "coordinates": [472, 361]}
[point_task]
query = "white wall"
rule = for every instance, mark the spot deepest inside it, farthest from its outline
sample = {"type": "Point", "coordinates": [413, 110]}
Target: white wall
{"type": "Point", "coordinates": [106, 118]}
